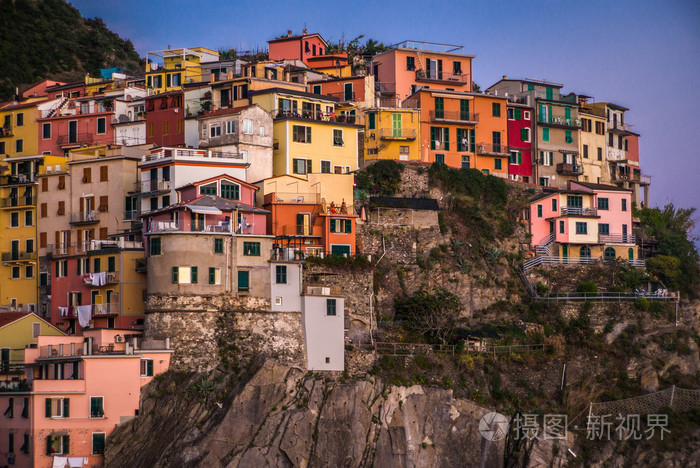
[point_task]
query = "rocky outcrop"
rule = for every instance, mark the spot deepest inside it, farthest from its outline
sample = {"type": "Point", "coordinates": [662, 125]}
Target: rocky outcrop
{"type": "Point", "coordinates": [279, 416]}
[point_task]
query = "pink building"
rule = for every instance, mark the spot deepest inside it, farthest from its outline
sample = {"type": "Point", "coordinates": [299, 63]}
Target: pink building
{"type": "Point", "coordinates": [77, 389]}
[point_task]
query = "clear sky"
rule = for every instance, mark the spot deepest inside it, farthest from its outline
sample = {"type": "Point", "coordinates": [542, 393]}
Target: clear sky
{"type": "Point", "coordinates": [643, 54]}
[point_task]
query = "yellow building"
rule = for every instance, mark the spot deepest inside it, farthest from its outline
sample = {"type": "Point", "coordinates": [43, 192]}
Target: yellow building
{"type": "Point", "coordinates": [592, 144]}
{"type": "Point", "coordinates": [392, 133]}
{"type": "Point", "coordinates": [168, 70]}
{"type": "Point", "coordinates": [310, 135]}
{"type": "Point", "coordinates": [19, 130]}
{"type": "Point", "coordinates": [19, 330]}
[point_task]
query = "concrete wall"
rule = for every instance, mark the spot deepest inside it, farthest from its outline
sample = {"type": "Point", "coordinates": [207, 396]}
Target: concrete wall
{"type": "Point", "coordinates": [324, 334]}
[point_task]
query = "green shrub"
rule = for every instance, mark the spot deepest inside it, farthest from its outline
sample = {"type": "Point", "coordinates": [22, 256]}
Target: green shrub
{"type": "Point", "coordinates": [542, 289]}
{"type": "Point", "coordinates": [587, 287]}
{"type": "Point", "coordinates": [642, 303]}
{"type": "Point", "coordinates": [382, 178]}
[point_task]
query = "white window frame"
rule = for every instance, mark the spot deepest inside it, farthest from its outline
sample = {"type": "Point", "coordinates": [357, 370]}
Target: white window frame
{"type": "Point", "coordinates": [215, 130]}
{"type": "Point", "coordinates": [247, 127]}
{"type": "Point", "coordinates": [526, 115]}
{"type": "Point", "coordinates": [60, 407]}
{"type": "Point", "coordinates": [60, 444]}
{"type": "Point", "coordinates": [261, 131]}
{"type": "Point", "coordinates": [529, 135]}
{"type": "Point", "coordinates": [342, 142]}
{"type": "Point", "coordinates": [97, 126]}
{"type": "Point", "coordinates": [330, 166]}
{"type": "Point", "coordinates": [230, 127]}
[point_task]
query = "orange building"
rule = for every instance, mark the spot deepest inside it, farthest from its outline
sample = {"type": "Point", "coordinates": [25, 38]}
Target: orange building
{"type": "Point", "coordinates": [463, 129]}
{"type": "Point", "coordinates": [411, 65]}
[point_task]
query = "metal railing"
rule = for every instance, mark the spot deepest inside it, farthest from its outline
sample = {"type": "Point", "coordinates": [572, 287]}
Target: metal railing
{"type": "Point", "coordinates": [190, 153]}
{"type": "Point", "coordinates": [558, 120]}
{"type": "Point", "coordinates": [630, 177]}
{"type": "Point", "coordinates": [429, 46]}
{"type": "Point", "coordinates": [84, 217]}
{"type": "Point", "coordinates": [554, 260]}
{"type": "Point", "coordinates": [316, 115]}
{"type": "Point", "coordinates": [17, 179]}
{"type": "Point", "coordinates": [617, 126]}
{"type": "Point", "coordinates": [111, 308]}
{"type": "Point", "coordinates": [397, 104]}
{"type": "Point", "coordinates": [295, 254]}
{"type": "Point", "coordinates": [397, 133]}
{"type": "Point", "coordinates": [577, 211]}
{"type": "Point", "coordinates": [210, 227]}
{"type": "Point", "coordinates": [605, 296]}
{"type": "Point", "coordinates": [73, 248]}
{"type": "Point", "coordinates": [457, 116]}
{"type": "Point", "coordinates": [435, 75]}
{"type": "Point", "coordinates": [616, 238]}
{"type": "Point", "coordinates": [111, 277]}
{"type": "Point", "coordinates": [569, 169]}
{"type": "Point", "coordinates": [291, 197]}
{"type": "Point", "coordinates": [17, 255]}
{"type": "Point", "coordinates": [491, 149]}
{"type": "Point", "coordinates": [78, 138]}
{"type": "Point", "coordinates": [154, 185]}
{"type": "Point", "coordinates": [6, 131]}
{"type": "Point", "coordinates": [16, 202]}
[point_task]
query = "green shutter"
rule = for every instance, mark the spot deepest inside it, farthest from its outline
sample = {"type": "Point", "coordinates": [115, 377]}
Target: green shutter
{"type": "Point", "coordinates": [439, 108]}
{"type": "Point", "coordinates": [175, 271]}
{"type": "Point", "coordinates": [518, 114]}
{"type": "Point", "coordinates": [48, 438]}
{"type": "Point", "coordinates": [218, 245]}
{"type": "Point", "coordinates": [66, 407]}
{"type": "Point", "coordinates": [567, 113]}
{"type": "Point", "coordinates": [348, 225]}
{"type": "Point", "coordinates": [459, 139]}
{"type": "Point", "coordinates": [212, 275]}
{"type": "Point", "coordinates": [295, 133]}
{"type": "Point", "coordinates": [372, 121]}
{"type": "Point", "coordinates": [472, 140]}
{"type": "Point", "coordinates": [48, 407]}
{"type": "Point", "coordinates": [549, 115]}
{"type": "Point", "coordinates": [464, 109]}
{"type": "Point", "coordinates": [545, 134]}
{"type": "Point", "coordinates": [447, 138]}
{"type": "Point", "coordinates": [523, 134]}
{"type": "Point", "coordinates": [149, 367]}
{"type": "Point", "coordinates": [243, 281]}
{"type": "Point", "coordinates": [433, 131]}
{"type": "Point", "coordinates": [193, 274]}
{"type": "Point", "coordinates": [520, 157]}
{"type": "Point", "coordinates": [66, 444]}
{"type": "Point", "coordinates": [332, 225]}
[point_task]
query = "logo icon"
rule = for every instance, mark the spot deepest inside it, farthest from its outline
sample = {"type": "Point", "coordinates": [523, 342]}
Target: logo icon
{"type": "Point", "coordinates": [493, 426]}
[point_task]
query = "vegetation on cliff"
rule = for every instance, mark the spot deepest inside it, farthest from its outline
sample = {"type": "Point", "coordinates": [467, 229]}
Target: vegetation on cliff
{"type": "Point", "coordinates": [50, 39]}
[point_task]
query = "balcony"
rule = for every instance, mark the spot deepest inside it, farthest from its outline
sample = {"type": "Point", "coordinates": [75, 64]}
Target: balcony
{"type": "Point", "coordinates": [569, 169]}
{"type": "Point", "coordinates": [558, 121]}
{"type": "Point", "coordinates": [111, 308]}
{"type": "Point", "coordinates": [111, 277]}
{"type": "Point", "coordinates": [17, 202]}
{"type": "Point", "coordinates": [459, 79]}
{"type": "Point", "coordinates": [311, 115]}
{"type": "Point", "coordinates": [86, 217]}
{"type": "Point", "coordinates": [490, 149]}
{"type": "Point", "coordinates": [342, 96]}
{"type": "Point", "coordinates": [6, 131]}
{"type": "Point", "coordinates": [468, 118]}
{"type": "Point", "coordinates": [20, 179]}
{"type": "Point", "coordinates": [627, 177]}
{"type": "Point", "coordinates": [397, 104]}
{"type": "Point", "coordinates": [76, 139]}
{"type": "Point", "coordinates": [214, 227]}
{"type": "Point", "coordinates": [397, 133]}
{"type": "Point", "coordinates": [155, 185]}
{"type": "Point", "coordinates": [615, 154]}
{"type": "Point", "coordinates": [18, 256]}
{"type": "Point", "coordinates": [74, 248]}
{"type": "Point", "coordinates": [170, 153]}
{"type": "Point", "coordinates": [578, 211]}
{"type": "Point", "coordinates": [290, 254]}
{"type": "Point", "coordinates": [619, 128]}
{"type": "Point", "coordinates": [292, 197]}
{"type": "Point", "coordinates": [616, 238]}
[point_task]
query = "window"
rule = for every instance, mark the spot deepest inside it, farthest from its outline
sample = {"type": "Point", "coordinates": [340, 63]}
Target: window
{"type": "Point", "coordinates": [251, 249]}
{"type": "Point", "coordinates": [609, 253]}
{"type": "Point", "coordinates": [440, 138]}
{"type": "Point", "coordinates": [57, 407]}
{"type": "Point", "coordinates": [214, 275]}
{"type": "Point", "coordinates": [574, 201]}
{"type": "Point", "coordinates": [243, 281]}
{"type": "Point", "coordinates": [372, 120]}
{"type": "Point", "coordinates": [20, 119]}
{"type": "Point", "coordinates": [624, 204]}
{"type": "Point", "coordinates": [496, 109]}
{"type": "Point", "coordinates": [248, 127]}
{"type": "Point", "coordinates": [57, 445]}
{"type": "Point", "coordinates": [325, 167]}
{"type": "Point", "coordinates": [98, 438]}
{"type": "Point", "coordinates": [404, 150]}
{"type": "Point", "coordinates": [341, 226]}
{"type": "Point", "coordinates": [525, 134]}
{"type": "Point", "coordinates": [331, 307]}
{"type": "Point", "coordinates": [104, 203]}
{"type": "Point", "coordinates": [19, 146]}
{"type": "Point", "coordinates": [554, 204]}
{"type": "Point", "coordinates": [46, 131]}
{"type": "Point", "coordinates": [544, 181]}
{"type": "Point", "coordinates": [516, 157]}
{"type": "Point", "coordinates": [511, 114]}
{"type": "Point", "coordinates": [215, 130]}
{"type": "Point", "coordinates": [16, 272]}
{"type": "Point", "coordinates": [155, 246]}
{"type": "Point", "coordinates": [585, 151]}
{"type": "Point", "coordinates": [97, 407]}
{"type": "Point", "coordinates": [61, 268]}
{"type": "Point", "coordinates": [230, 191]}
{"type": "Point", "coordinates": [218, 245]}
{"type": "Point", "coordinates": [539, 211]}
{"type": "Point", "coordinates": [567, 137]}
{"type": "Point", "coordinates": [25, 443]}
{"type": "Point", "coordinates": [465, 162]}
{"type": "Point", "coordinates": [546, 158]}
{"type": "Point", "coordinates": [28, 218]}
{"type": "Point", "coordinates": [301, 166]}
{"type": "Point", "coordinates": [101, 125]}
{"type": "Point", "coordinates": [14, 219]}
{"type": "Point", "coordinates": [281, 274]}
{"type": "Point", "coordinates": [10, 411]}
{"type": "Point", "coordinates": [562, 227]}
{"type": "Point", "coordinates": [146, 367]}
{"type": "Point", "coordinates": [581, 227]}
{"type": "Point", "coordinates": [440, 158]}
{"type": "Point", "coordinates": [603, 203]}
{"type": "Point", "coordinates": [337, 137]}
{"type": "Point", "coordinates": [603, 229]}
{"type": "Point", "coordinates": [87, 175]}
{"type": "Point", "coordinates": [301, 134]}
{"type": "Point", "coordinates": [230, 127]}
{"type": "Point", "coordinates": [545, 134]}
{"type": "Point", "coordinates": [29, 271]}
{"type": "Point", "coordinates": [410, 63]}
{"type": "Point", "coordinates": [61, 183]}
{"type": "Point", "coordinates": [497, 164]}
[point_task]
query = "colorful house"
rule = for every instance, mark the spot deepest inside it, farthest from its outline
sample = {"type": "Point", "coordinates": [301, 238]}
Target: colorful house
{"type": "Point", "coordinates": [302, 47]}
{"type": "Point", "coordinates": [168, 70]}
{"type": "Point", "coordinates": [468, 130]}
{"type": "Point", "coordinates": [520, 127]}
{"type": "Point", "coordinates": [73, 393]}
{"type": "Point", "coordinates": [592, 143]}
{"type": "Point", "coordinates": [392, 133]}
{"type": "Point", "coordinates": [351, 89]}
{"type": "Point", "coordinates": [310, 133]}
{"type": "Point", "coordinates": [165, 119]}
{"type": "Point", "coordinates": [410, 65]}
{"type": "Point", "coordinates": [584, 222]}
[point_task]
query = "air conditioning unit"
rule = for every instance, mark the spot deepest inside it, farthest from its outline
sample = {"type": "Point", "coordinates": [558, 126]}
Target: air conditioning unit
{"type": "Point", "coordinates": [118, 339]}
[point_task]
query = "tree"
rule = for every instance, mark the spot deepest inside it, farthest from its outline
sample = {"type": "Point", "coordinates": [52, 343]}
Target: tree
{"type": "Point", "coordinates": [433, 314]}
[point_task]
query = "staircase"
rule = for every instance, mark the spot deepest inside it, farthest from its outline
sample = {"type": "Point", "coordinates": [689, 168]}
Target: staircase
{"type": "Point", "coordinates": [544, 247]}
{"type": "Point", "coordinates": [53, 111]}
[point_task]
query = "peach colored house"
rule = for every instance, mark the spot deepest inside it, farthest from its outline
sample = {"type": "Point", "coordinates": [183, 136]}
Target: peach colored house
{"type": "Point", "coordinates": [76, 390]}
{"type": "Point", "coordinates": [301, 47]}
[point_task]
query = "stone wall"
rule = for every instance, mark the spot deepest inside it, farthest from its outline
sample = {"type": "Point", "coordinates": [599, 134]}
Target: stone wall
{"type": "Point", "coordinates": [196, 327]}
{"type": "Point", "coordinates": [403, 217]}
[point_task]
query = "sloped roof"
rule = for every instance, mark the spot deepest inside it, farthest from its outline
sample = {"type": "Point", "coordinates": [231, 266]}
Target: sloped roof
{"type": "Point", "coordinates": [224, 204]}
{"type": "Point", "coordinates": [607, 188]}
{"type": "Point", "coordinates": [7, 318]}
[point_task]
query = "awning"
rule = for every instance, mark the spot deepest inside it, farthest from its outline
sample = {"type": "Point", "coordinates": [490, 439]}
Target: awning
{"type": "Point", "coordinates": [204, 209]}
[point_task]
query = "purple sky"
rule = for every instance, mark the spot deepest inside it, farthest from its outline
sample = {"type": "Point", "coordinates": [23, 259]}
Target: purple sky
{"type": "Point", "coordinates": [644, 55]}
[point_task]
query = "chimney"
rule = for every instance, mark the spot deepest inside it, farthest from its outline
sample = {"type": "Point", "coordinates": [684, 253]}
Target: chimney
{"type": "Point", "coordinates": [505, 77]}
{"type": "Point", "coordinates": [289, 33]}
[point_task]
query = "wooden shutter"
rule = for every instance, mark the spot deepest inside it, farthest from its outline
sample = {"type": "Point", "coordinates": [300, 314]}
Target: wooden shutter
{"type": "Point", "coordinates": [44, 209]}
{"type": "Point", "coordinates": [48, 400]}
{"type": "Point", "coordinates": [45, 184]}
{"type": "Point", "coordinates": [42, 240]}
{"type": "Point", "coordinates": [48, 445]}
{"type": "Point", "coordinates": [103, 233]}
{"type": "Point", "coordinates": [447, 138]}
{"type": "Point", "coordinates": [518, 114]}
{"type": "Point", "coordinates": [66, 407]}
{"type": "Point", "coordinates": [472, 142]}
{"type": "Point", "coordinates": [212, 275]}
{"type": "Point", "coordinates": [459, 139]}
{"type": "Point", "coordinates": [149, 368]}
{"type": "Point", "coordinates": [104, 203]}
{"type": "Point", "coordinates": [348, 225]}
{"type": "Point", "coordinates": [66, 443]}
{"type": "Point", "coordinates": [332, 225]}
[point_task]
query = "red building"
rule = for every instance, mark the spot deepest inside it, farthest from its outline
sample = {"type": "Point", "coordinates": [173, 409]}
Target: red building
{"type": "Point", "coordinates": [351, 88]}
{"type": "Point", "coordinates": [165, 119]}
{"type": "Point", "coordinates": [301, 47]}
{"type": "Point", "coordinates": [520, 123]}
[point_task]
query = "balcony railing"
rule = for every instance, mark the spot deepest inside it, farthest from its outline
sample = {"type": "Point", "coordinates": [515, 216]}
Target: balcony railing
{"type": "Point", "coordinates": [154, 185]}
{"type": "Point", "coordinates": [111, 308]}
{"type": "Point", "coordinates": [397, 104]}
{"type": "Point", "coordinates": [111, 277]}
{"type": "Point", "coordinates": [631, 177]}
{"type": "Point", "coordinates": [74, 248]}
{"type": "Point", "coordinates": [168, 153]}
{"type": "Point", "coordinates": [435, 75]}
{"type": "Point", "coordinates": [616, 238]}
{"type": "Point", "coordinates": [318, 116]}
{"type": "Point", "coordinates": [397, 133]}
{"type": "Point", "coordinates": [558, 121]}
{"type": "Point", "coordinates": [343, 96]}
{"type": "Point", "coordinates": [569, 169]}
{"type": "Point", "coordinates": [291, 197]}
{"type": "Point", "coordinates": [619, 127]}
{"type": "Point", "coordinates": [208, 227]}
{"type": "Point", "coordinates": [293, 254]}
{"type": "Point", "coordinates": [577, 211]}
{"type": "Point", "coordinates": [76, 139]}
{"type": "Point", "coordinates": [16, 202]}
{"type": "Point", "coordinates": [491, 149]}
{"type": "Point", "coordinates": [18, 256]}
{"type": "Point", "coordinates": [6, 131]}
{"type": "Point", "coordinates": [454, 116]}
{"type": "Point", "coordinates": [85, 217]}
{"type": "Point", "coordinates": [17, 179]}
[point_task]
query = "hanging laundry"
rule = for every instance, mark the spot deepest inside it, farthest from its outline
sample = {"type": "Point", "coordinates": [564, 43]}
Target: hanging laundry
{"type": "Point", "coordinates": [101, 278]}
{"type": "Point", "coordinates": [84, 315]}
{"type": "Point", "coordinates": [59, 462]}
{"type": "Point", "coordinates": [63, 311]}
{"type": "Point", "coordinates": [76, 462]}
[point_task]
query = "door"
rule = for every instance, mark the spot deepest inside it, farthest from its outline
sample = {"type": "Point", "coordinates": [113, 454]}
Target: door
{"type": "Point", "coordinates": [496, 142]}
{"type": "Point", "coordinates": [624, 233]}
{"type": "Point", "coordinates": [72, 131]}
{"type": "Point", "coordinates": [225, 98]}
{"type": "Point", "coordinates": [565, 253]}
{"type": "Point", "coordinates": [303, 225]}
{"type": "Point", "coordinates": [396, 125]}
{"type": "Point", "coordinates": [439, 108]}
{"type": "Point", "coordinates": [15, 250]}
{"type": "Point", "coordinates": [154, 179]}
{"type": "Point", "coordinates": [243, 281]}
{"type": "Point", "coordinates": [348, 92]}
{"type": "Point", "coordinates": [630, 254]}
{"type": "Point", "coordinates": [431, 68]}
